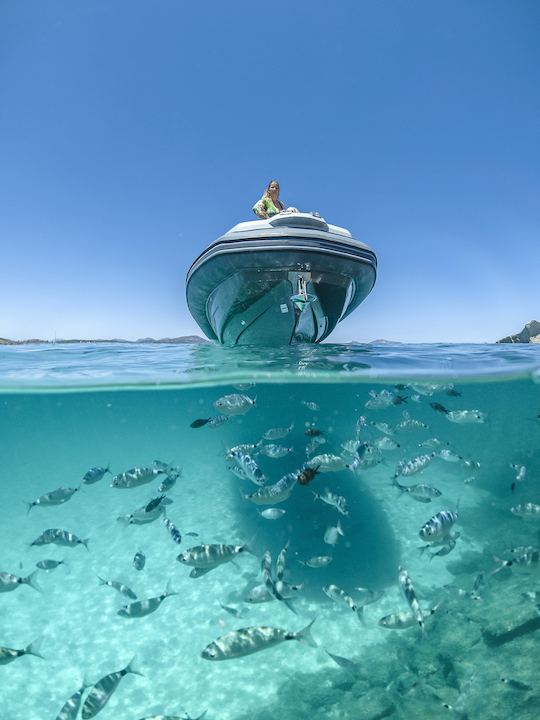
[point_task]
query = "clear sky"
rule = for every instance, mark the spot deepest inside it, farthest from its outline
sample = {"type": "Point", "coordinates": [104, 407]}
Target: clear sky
{"type": "Point", "coordinates": [132, 134]}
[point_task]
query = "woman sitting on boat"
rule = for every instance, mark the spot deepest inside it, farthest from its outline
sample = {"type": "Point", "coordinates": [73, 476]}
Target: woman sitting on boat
{"type": "Point", "coordinates": [270, 204]}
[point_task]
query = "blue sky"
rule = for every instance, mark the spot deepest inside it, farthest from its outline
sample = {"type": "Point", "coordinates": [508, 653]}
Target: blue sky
{"type": "Point", "coordinates": [133, 134]}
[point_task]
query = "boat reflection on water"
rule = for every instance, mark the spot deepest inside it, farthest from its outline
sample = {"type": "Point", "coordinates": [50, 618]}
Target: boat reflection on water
{"type": "Point", "coordinates": [289, 279]}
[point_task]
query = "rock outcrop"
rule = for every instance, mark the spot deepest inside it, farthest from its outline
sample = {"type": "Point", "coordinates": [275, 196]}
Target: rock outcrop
{"type": "Point", "coordinates": [529, 334]}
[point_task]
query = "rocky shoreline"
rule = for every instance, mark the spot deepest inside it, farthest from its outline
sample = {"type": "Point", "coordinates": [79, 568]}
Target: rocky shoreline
{"type": "Point", "coordinates": [183, 340]}
{"type": "Point", "coordinates": [529, 334]}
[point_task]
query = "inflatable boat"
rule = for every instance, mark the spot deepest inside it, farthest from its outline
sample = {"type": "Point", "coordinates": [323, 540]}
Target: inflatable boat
{"type": "Point", "coordinates": [284, 280]}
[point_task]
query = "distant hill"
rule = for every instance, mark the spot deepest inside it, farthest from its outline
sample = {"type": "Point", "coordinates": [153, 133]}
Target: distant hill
{"type": "Point", "coordinates": [529, 334]}
{"type": "Point", "coordinates": [183, 340]}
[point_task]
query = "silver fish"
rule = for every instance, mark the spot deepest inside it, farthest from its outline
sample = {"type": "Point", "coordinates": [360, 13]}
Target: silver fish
{"type": "Point", "coordinates": [526, 510]}
{"type": "Point", "coordinates": [313, 444]}
{"type": "Point", "coordinates": [70, 709]}
{"type": "Point", "coordinates": [266, 571]}
{"type": "Point", "coordinates": [336, 501]}
{"type": "Point", "coordinates": [327, 463]}
{"type": "Point", "coordinates": [235, 404]}
{"type": "Point", "coordinates": [139, 560]}
{"type": "Point", "coordinates": [145, 514]}
{"type": "Point", "coordinates": [94, 475]}
{"type": "Point", "coordinates": [49, 564]}
{"type": "Point", "coordinates": [8, 655]}
{"type": "Point", "coordinates": [174, 532]}
{"type": "Point", "coordinates": [275, 452]}
{"type": "Point", "coordinates": [383, 427]}
{"type": "Point", "coordinates": [272, 513]}
{"type": "Point", "coordinates": [405, 583]}
{"type": "Point", "coordinates": [405, 619]}
{"type": "Point", "coordinates": [277, 433]}
{"type": "Point", "coordinates": [246, 641]}
{"type": "Point", "coordinates": [102, 691]}
{"type": "Point", "coordinates": [252, 471]}
{"type": "Point", "coordinates": [411, 467]}
{"type": "Point", "coordinates": [386, 443]}
{"type": "Point", "coordinates": [438, 526]}
{"type": "Point", "coordinates": [204, 558]}
{"type": "Point", "coordinates": [235, 612]}
{"type": "Point", "coordinates": [310, 405]}
{"type": "Point", "coordinates": [466, 417]}
{"type": "Point", "coordinates": [135, 477]}
{"type": "Point", "coordinates": [140, 608]}
{"type": "Point", "coordinates": [331, 535]}
{"type": "Point", "coordinates": [343, 662]}
{"type": "Point", "coordinates": [276, 493]}
{"type": "Point", "coordinates": [449, 455]}
{"type": "Point", "coordinates": [281, 562]}
{"type": "Point", "coordinates": [317, 561]}
{"type": "Point", "coordinates": [168, 483]}
{"type": "Point", "coordinates": [59, 537]}
{"type": "Point", "coordinates": [420, 491]}
{"type": "Point", "coordinates": [528, 558]}
{"type": "Point", "coordinates": [55, 497]}
{"type": "Point", "coordinates": [409, 423]}
{"type": "Point", "coordinates": [119, 587]}
{"type": "Point", "coordinates": [9, 582]}
{"type": "Point", "coordinates": [378, 401]}
{"type": "Point", "coordinates": [336, 594]}
{"type": "Point", "coordinates": [260, 594]}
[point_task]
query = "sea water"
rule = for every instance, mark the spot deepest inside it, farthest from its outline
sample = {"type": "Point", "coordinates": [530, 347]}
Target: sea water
{"type": "Point", "coordinates": [66, 409]}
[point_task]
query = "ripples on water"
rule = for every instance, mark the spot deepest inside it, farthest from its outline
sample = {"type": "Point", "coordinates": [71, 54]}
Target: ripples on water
{"type": "Point", "coordinates": [477, 637]}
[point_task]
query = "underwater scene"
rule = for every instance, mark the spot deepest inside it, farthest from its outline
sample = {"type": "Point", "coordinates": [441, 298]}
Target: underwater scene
{"type": "Point", "coordinates": [310, 532]}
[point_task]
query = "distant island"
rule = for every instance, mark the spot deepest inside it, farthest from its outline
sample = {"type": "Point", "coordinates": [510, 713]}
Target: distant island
{"type": "Point", "coordinates": [183, 340]}
{"type": "Point", "coordinates": [529, 334]}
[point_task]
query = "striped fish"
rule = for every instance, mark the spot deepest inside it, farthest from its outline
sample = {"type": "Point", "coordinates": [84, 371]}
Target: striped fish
{"type": "Point", "coordinates": [70, 710]}
{"type": "Point", "coordinates": [59, 537]}
{"type": "Point", "coordinates": [140, 608]}
{"type": "Point", "coordinates": [276, 493]}
{"type": "Point", "coordinates": [102, 691]}
{"type": "Point", "coordinates": [405, 583]}
{"type": "Point", "coordinates": [438, 526]}
{"type": "Point", "coordinates": [252, 471]}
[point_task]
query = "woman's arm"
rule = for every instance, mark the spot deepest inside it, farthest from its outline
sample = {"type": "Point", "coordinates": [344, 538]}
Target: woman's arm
{"type": "Point", "coordinates": [260, 209]}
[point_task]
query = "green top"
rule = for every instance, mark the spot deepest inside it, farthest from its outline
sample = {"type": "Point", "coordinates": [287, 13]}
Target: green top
{"type": "Point", "coordinates": [265, 205]}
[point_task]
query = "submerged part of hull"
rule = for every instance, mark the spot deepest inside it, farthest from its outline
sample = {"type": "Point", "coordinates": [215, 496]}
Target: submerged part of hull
{"type": "Point", "coordinates": [278, 285]}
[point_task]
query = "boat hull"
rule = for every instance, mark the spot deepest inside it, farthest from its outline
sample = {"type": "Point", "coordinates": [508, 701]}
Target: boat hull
{"type": "Point", "coordinates": [278, 285]}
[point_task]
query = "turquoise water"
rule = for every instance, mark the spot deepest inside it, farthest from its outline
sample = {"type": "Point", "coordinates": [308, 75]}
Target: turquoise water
{"type": "Point", "coordinates": [66, 409]}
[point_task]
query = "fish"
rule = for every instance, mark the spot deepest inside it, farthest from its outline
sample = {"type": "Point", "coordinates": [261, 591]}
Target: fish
{"type": "Point", "coordinates": [516, 684]}
{"type": "Point", "coordinates": [438, 526]}
{"type": "Point", "coordinates": [139, 560]}
{"type": "Point", "coordinates": [102, 691]}
{"type": "Point", "coordinates": [310, 405]}
{"type": "Point", "coordinates": [140, 608]}
{"type": "Point", "coordinates": [70, 709]}
{"type": "Point", "coordinates": [8, 655]}
{"type": "Point", "coordinates": [271, 586]}
{"type": "Point", "coordinates": [367, 596]}
{"type": "Point", "coordinates": [277, 433]}
{"type": "Point", "coordinates": [405, 619]}
{"type": "Point", "coordinates": [407, 588]}
{"type": "Point", "coordinates": [120, 587]}
{"type": "Point", "coordinates": [272, 513]}
{"type": "Point", "coordinates": [336, 501]}
{"type": "Point", "coordinates": [445, 550]}
{"type": "Point", "coordinates": [174, 717]}
{"type": "Point", "coordinates": [246, 641]}
{"type": "Point", "coordinates": [59, 537]}
{"type": "Point", "coordinates": [146, 513]}
{"type": "Point", "coordinates": [94, 475]}
{"type": "Point", "coordinates": [336, 594]}
{"type": "Point", "coordinates": [526, 510]}
{"type": "Point", "coordinates": [204, 558]}
{"type": "Point", "coordinates": [528, 557]}
{"type": "Point", "coordinates": [174, 532]}
{"type": "Point", "coordinates": [343, 661]}
{"type": "Point", "coordinates": [378, 401]}
{"type": "Point", "coordinates": [212, 422]}
{"type": "Point", "coordinates": [276, 493]}
{"type": "Point", "coordinates": [135, 477]}
{"type": "Point", "coordinates": [386, 443]}
{"type": "Point", "coordinates": [275, 452]}
{"type": "Point", "coordinates": [249, 466]}
{"type": "Point", "coordinates": [313, 432]}
{"type": "Point", "coordinates": [409, 423]}
{"type": "Point", "coordinates": [318, 561]}
{"type": "Point", "coordinates": [420, 491]}
{"type": "Point", "coordinates": [199, 422]}
{"type": "Point", "coordinates": [235, 612]}
{"type": "Point", "coordinates": [449, 455]}
{"type": "Point", "coordinates": [368, 455]}
{"type": "Point", "coordinates": [9, 582]}
{"type": "Point", "coordinates": [314, 443]}
{"type": "Point", "coordinates": [466, 417]}
{"type": "Point", "coordinates": [331, 535]}
{"type": "Point", "coordinates": [327, 463]}
{"type": "Point", "coordinates": [407, 468]}
{"type": "Point", "coordinates": [384, 428]}
{"type": "Point", "coordinates": [55, 497]}
{"type": "Point", "coordinates": [438, 407]}
{"type": "Point", "coordinates": [260, 594]}
{"type": "Point", "coordinates": [49, 564]}
{"type": "Point", "coordinates": [306, 474]}
{"type": "Point", "coordinates": [235, 404]}
{"type": "Point", "coordinates": [168, 483]}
